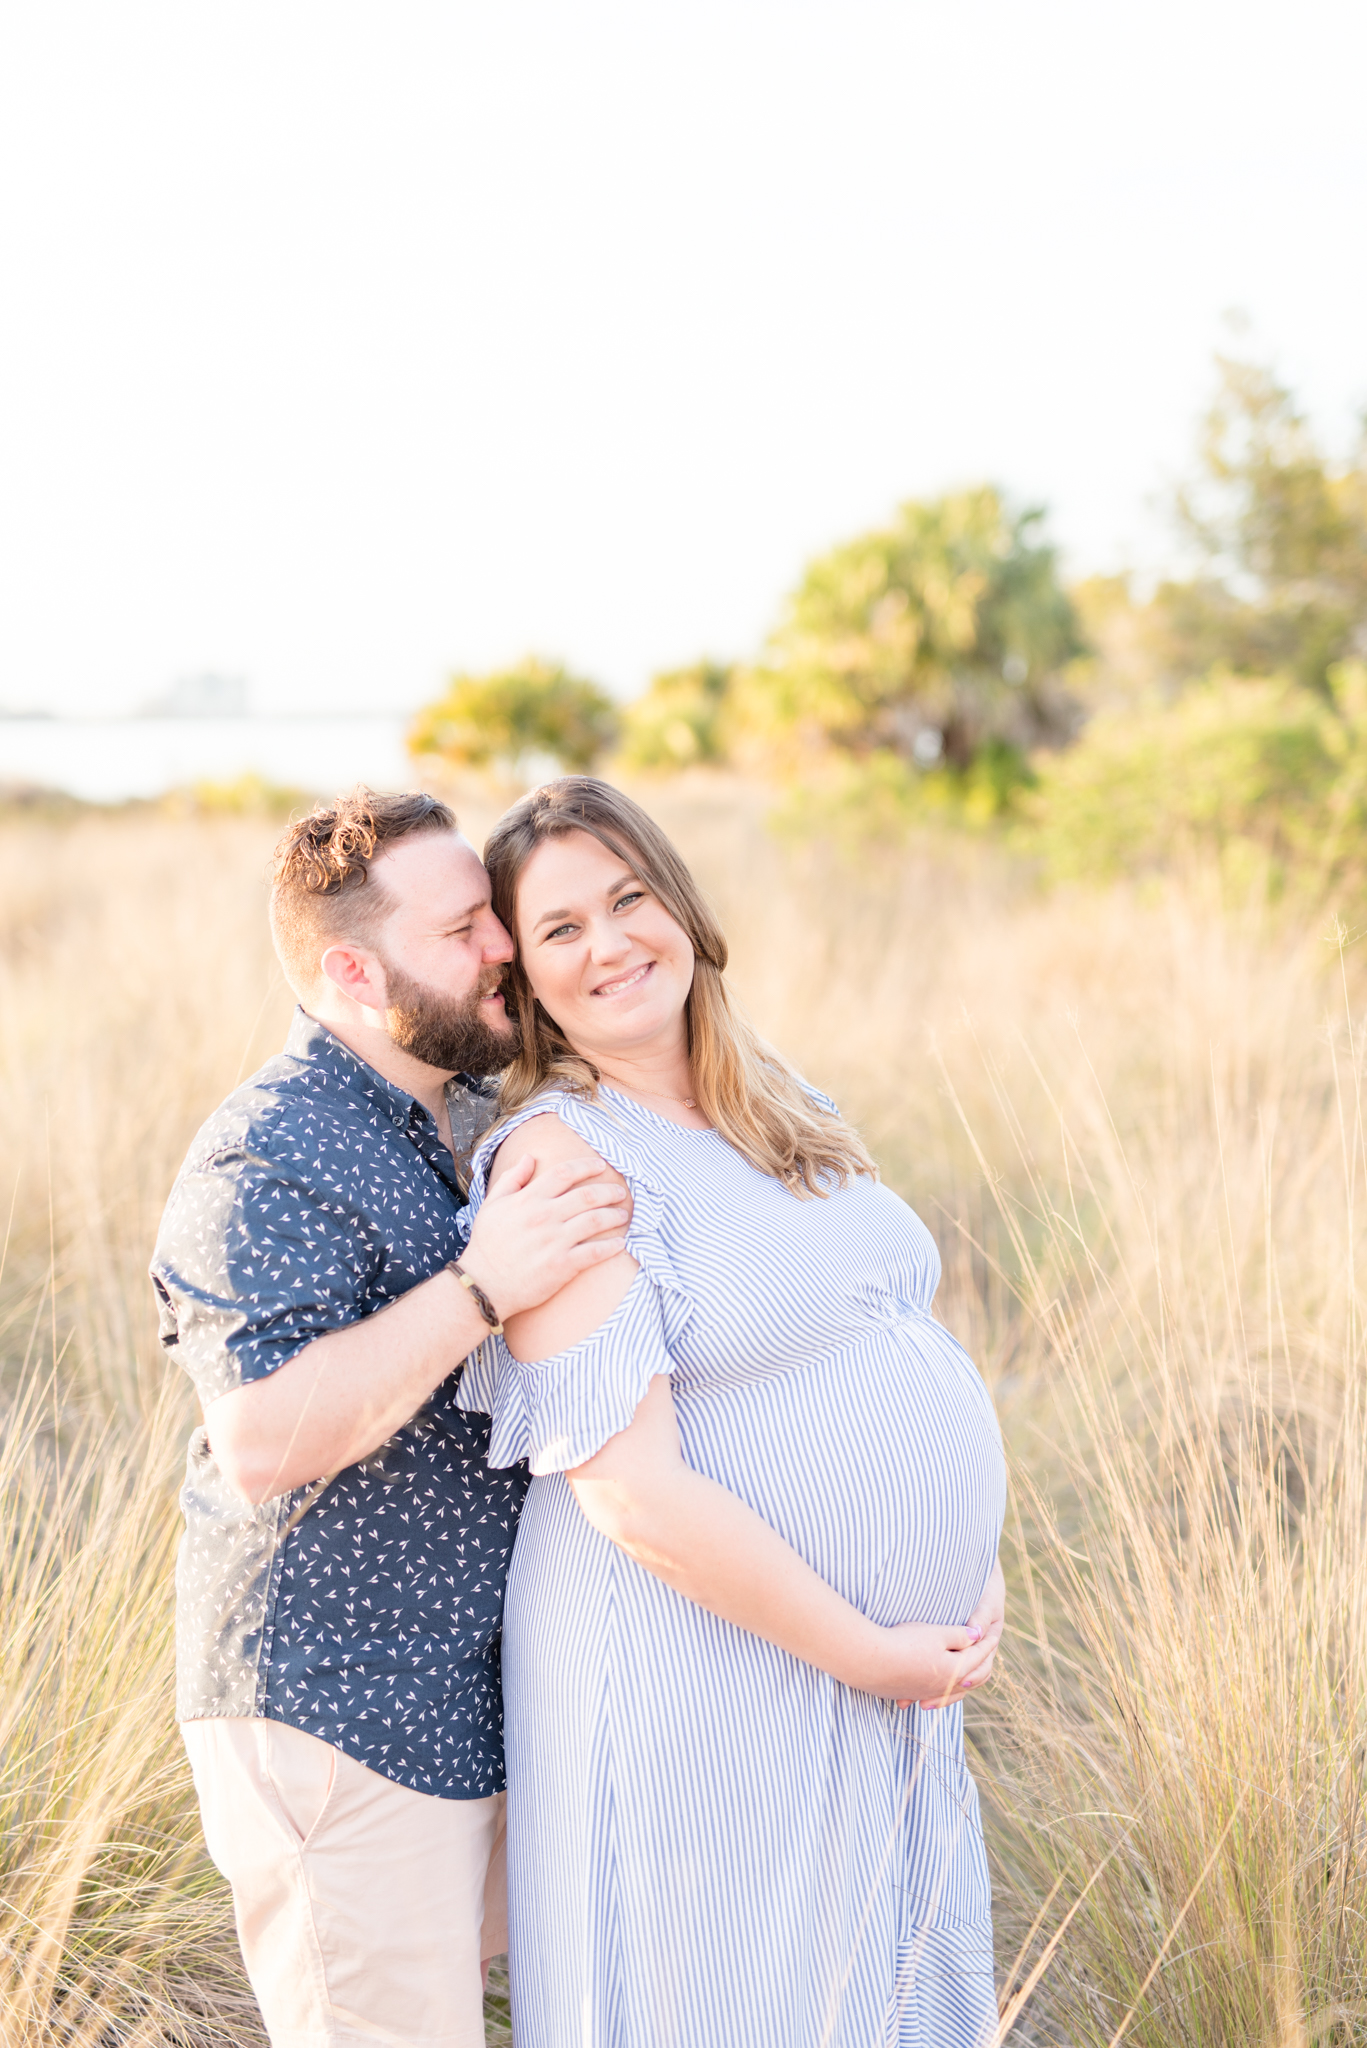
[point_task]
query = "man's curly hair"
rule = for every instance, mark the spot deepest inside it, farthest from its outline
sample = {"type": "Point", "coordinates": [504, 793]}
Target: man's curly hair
{"type": "Point", "coordinates": [322, 889]}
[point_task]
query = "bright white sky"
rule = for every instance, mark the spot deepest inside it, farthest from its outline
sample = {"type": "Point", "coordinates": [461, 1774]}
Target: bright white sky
{"type": "Point", "coordinates": [348, 343]}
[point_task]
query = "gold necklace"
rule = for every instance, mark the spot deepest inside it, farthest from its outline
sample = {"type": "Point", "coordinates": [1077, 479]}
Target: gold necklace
{"type": "Point", "coordinates": [687, 1101]}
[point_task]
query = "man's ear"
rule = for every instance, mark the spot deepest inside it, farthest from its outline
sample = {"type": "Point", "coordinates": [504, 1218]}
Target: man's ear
{"type": "Point", "coordinates": [357, 973]}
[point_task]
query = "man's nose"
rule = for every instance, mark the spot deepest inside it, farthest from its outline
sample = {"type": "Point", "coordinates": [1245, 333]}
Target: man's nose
{"type": "Point", "coordinates": [498, 947]}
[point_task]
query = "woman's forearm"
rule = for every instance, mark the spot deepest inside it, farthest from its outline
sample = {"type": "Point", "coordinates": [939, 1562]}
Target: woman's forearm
{"type": "Point", "coordinates": [708, 1545]}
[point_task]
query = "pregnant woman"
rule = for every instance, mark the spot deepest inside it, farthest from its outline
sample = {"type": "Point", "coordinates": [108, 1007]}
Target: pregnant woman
{"type": "Point", "coordinates": [766, 1503]}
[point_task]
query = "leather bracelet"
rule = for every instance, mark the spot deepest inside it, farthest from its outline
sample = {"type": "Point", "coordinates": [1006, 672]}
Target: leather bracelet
{"type": "Point", "coordinates": [478, 1296]}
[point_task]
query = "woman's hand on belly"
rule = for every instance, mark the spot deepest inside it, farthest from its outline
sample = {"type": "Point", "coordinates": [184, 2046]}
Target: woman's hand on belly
{"type": "Point", "coordinates": [989, 1616]}
{"type": "Point", "coordinates": [934, 1666]}
{"type": "Point", "coordinates": [699, 1538]}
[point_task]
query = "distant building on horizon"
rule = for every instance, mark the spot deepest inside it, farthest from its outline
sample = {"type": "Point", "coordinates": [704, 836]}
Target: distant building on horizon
{"type": "Point", "coordinates": [205, 696]}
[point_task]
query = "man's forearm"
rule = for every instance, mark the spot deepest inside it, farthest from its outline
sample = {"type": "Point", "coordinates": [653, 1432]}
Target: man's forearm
{"type": "Point", "coordinates": [345, 1394]}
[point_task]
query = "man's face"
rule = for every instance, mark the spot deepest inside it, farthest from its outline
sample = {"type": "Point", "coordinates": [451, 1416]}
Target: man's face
{"type": "Point", "coordinates": [443, 953]}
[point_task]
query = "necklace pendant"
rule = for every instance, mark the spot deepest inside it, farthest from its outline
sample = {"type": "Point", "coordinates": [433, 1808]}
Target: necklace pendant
{"type": "Point", "coordinates": [689, 1103]}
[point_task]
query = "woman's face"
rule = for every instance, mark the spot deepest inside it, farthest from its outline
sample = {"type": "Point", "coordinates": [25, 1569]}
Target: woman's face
{"type": "Point", "coordinates": [604, 957]}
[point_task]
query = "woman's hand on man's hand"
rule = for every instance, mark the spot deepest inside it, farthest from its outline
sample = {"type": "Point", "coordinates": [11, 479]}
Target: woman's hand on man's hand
{"type": "Point", "coordinates": [961, 1659]}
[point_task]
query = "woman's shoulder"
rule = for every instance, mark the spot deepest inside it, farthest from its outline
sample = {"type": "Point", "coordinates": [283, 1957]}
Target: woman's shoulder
{"type": "Point", "coordinates": [541, 1129]}
{"type": "Point", "coordinates": [563, 1125]}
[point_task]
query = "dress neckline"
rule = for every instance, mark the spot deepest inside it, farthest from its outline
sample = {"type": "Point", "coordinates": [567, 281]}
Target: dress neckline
{"type": "Point", "coordinates": [684, 1130]}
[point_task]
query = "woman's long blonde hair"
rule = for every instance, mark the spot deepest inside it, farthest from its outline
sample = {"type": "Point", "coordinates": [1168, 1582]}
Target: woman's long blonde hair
{"type": "Point", "coordinates": [742, 1086]}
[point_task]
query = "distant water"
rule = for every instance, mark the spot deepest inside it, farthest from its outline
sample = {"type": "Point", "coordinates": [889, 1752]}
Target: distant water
{"type": "Point", "coordinates": [107, 759]}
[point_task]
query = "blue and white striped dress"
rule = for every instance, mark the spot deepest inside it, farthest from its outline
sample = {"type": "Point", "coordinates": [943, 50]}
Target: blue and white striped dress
{"type": "Point", "coordinates": [712, 1844]}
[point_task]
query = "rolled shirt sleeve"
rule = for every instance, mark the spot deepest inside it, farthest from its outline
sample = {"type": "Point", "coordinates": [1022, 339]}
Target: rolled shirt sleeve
{"type": "Point", "coordinates": [252, 1265]}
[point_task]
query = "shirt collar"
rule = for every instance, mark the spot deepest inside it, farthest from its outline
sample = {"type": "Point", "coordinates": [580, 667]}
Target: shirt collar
{"type": "Point", "coordinates": [310, 1040]}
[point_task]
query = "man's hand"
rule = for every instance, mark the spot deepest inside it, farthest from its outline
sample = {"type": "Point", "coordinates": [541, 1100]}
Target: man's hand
{"type": "Point", "coordinates": [533, 1236]}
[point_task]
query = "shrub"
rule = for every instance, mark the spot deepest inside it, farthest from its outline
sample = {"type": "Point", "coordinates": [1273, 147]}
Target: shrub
{"type": "Point", "coordinates": [682, 719]}
{"type": "Point", "coordinates": [1231, 768]}
{"type": "Point", "coordinates": [502, 720]}
{"type": "Point", "coordinates": [247, 796]}
{"type": "Point", "coordinates": [884, 796]}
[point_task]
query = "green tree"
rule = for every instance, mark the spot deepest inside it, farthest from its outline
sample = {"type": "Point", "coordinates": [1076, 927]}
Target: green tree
{"type": "Point", "coordinates": [1253, 770]}
{"type": "Point", "coordinates": [681, 720]}
{"type": "Point", "coordinates": [934, 638]}
{"type": "Point", "coordinates": [1282, 532]}
{"type": "Point", "coordinates": [535, 708]}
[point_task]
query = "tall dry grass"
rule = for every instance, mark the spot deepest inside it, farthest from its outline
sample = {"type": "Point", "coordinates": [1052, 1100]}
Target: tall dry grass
{"type": "Point", "coordinates": [132, 971]}
{"type": "Point", "coordinates": [1133, 1122]}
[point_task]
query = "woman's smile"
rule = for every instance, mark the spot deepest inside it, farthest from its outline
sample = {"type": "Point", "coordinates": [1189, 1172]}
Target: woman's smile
{"type": "Point", "coordinates": [624, 982]}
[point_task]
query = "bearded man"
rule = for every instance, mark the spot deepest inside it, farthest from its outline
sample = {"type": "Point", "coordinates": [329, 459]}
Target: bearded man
{"type": "Point", "coordinates": [340, 1582]}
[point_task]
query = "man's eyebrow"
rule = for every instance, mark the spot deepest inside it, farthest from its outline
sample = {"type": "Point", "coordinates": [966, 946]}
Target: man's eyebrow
{"type": "Point", "coordinates": [480, 903]}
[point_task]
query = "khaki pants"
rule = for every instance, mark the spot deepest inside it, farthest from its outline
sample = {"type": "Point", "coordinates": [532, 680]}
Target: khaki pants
{"type": "Point", "coordinates": [364, 1909]}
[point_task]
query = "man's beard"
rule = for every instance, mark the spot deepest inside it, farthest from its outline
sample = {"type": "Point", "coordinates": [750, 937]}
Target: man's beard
{"type": "Point", "coordinates": [445, 1033]}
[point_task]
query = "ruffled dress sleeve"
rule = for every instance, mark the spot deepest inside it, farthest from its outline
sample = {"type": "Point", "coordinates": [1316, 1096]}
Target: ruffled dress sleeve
{"type": "Point", "coordinates": [561, 1410]}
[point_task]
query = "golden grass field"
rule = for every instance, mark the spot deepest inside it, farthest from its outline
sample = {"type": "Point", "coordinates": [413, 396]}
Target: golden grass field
{"type": "Point", "coordinates": [1133, 1120]}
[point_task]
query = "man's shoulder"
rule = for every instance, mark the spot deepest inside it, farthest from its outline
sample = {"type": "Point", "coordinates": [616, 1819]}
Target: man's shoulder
{"type": "Point", "coordinates": [262, 1114]}
{"type": "Point", "coordinates": [274, 1141]}
{"type": "Point", "coordinates": [297, 1108]}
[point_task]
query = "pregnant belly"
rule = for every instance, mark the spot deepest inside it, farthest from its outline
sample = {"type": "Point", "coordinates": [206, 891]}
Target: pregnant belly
{"type": "Point", "coordinates": [882, 1467]}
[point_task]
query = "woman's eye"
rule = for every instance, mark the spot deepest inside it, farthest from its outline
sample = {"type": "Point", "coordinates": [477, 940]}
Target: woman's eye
{"type": "Point", "coordinates": [625, 902]}
{"type": "Point", "coordinates": [560, 931]}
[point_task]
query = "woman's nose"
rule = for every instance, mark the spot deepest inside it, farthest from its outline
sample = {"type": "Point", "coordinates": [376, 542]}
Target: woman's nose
{"type": "Point", "coordinates": [607, 941]}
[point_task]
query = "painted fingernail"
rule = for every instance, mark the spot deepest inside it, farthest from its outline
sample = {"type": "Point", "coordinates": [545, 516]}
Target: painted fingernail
{"type": "Point", "coordinates": [975, 1631]}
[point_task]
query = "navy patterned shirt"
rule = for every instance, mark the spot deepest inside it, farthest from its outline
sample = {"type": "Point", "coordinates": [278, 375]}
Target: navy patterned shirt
{"type": "Point", "coordinates": [366, 1608]}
